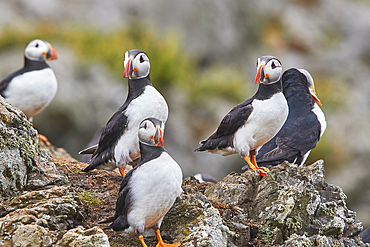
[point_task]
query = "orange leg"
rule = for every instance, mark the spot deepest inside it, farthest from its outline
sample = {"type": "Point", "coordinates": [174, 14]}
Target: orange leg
{"type": "Point", "coordinates": [141, 238]}
{"type": "Point", "coordinates": [251, 165]}
{"type": "Point", "coordinates": [263, 170]}
{"type": "Point", "coordinates": [161, 243]}
{"type": "Point", "coordinates": [122, 171]}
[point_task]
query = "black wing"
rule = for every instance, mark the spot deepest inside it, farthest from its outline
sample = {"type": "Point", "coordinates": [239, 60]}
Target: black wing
{"type": "Point", "coordinates": [301, 131]}
{"type": "Point", "coordinates": [115, 127]}
{"type": "Point", "coordinates": [123, 204]}
{"type": "Point", "coordinates": [28, 66]}
{"type": "Point", "coordinates": [223, 135]}
{"type": "Point", "coordinates": [5, 82]}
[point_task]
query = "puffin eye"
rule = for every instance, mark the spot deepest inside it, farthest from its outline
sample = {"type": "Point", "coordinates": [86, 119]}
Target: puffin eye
{"type": "Point", "coordinates": [37, 45]}
{"type": "Point", "coordinates": [141, 59]}
{"type": "Point", "coordinates": [273, 65]}
{"type": "Point", "coordinates": [145, 126]}
{"type": "Point", "coordinates": [257, 64]}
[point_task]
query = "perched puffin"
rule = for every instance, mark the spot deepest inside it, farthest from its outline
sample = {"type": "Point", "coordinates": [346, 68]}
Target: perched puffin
{"type": "Point", "coordinates": [255, 121]}
{"type": "Point", "coordinates": [34, 86]}
{"type": "Point", "coordinates": [119, 143]}
{"type": "Point", "coordinates": [149, 190]}
{"type": "Point", "coordinates": [304, 126]}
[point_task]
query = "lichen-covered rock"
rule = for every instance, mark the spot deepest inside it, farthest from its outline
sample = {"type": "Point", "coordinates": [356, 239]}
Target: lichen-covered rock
{"type": "Point", "coordinates": [41, 215]}
{"type": "Point", "coordinates": [93, 237]}
{"type": "Point", "coordinates": [291, 203]}
{"type": "Point", "coordinates": [22, 164]}
{"type": "Point", "coordinates": [194, 221]}
{"type": "Point", "coordinates": [18, 149]}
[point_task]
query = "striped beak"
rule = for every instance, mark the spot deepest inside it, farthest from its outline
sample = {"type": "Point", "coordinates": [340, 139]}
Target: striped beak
{"type": "Point", "coordinates": [52, 52]}
{"type": "Point", "coordinates": [128, 68]}
{"type": "Point", "coordinates": [158, 137]}
{"type": "Point", "coordinates": [313, 94]}
{"type": "Point", "coordinates": [260, 76]}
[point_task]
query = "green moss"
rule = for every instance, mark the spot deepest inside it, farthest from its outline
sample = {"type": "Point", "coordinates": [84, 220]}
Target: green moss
{"type": "Point", "coordinates": [267, 234]}
{"type": "Point", "coordinates": [89, 197]}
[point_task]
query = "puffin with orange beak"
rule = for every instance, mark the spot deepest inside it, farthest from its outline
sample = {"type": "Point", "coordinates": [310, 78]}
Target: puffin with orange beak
{"type": "Point", "coordinates": [118, 145]}
{"type": "Point", "coordinates": [34, 86]}
{"type": "Point", "coordinates": [149, 190]}
{"type": "Point", "coordinates": [255, 121]}
{"type": "Point", "coordinates": [304, 126]}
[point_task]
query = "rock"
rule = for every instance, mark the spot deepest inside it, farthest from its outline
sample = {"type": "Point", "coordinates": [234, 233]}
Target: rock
{"type": "Point", "coordinates": [40, 216]}
{"type": "Point", "coordinates": [290, 206]}
{"type": "Point", "coordinates": [22, 164]}
{"type": "Point", "coordinates": [93, 237]}
{"type": "Point", "coordinates": [18, 149]}
{"type": "Point", "coordinates": [194, 221]}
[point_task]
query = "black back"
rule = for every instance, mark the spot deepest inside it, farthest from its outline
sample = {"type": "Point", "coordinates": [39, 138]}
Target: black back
{"type": "Point", "coordinates": [124, 200]}
{"type": "Point", "coordinates": [224, 134]}
{"type": "Point", "coordinates": [116, 125]}
{"type": "Point", "coordinates": [301, 131]}
{"type": "Point", "coordinates": [29, 65]}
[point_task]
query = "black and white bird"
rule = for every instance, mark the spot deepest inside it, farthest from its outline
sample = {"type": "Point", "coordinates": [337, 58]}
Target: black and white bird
{"type": "Point", "coordinates": [34, 86]}
{"type": "Point", "coordinates": [255, 121]}
{"type": "Point", "coordinates": [304, 126]}
{"type": "Point", "coordinates": [119, 143]}
{"type": "Point", "coordinates": [149, 190]}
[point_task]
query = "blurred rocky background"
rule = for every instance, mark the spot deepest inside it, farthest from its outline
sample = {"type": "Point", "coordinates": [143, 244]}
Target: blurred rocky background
{"type": "Point", "coordinates": [203, 56]}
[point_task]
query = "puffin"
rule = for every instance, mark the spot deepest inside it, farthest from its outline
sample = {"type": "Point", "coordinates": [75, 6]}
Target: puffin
{"type": "Point", "coordinates": [119, 142]}
{"type": "Point", "coordinates": [34, 86]}
{"type": "Point", "coordinates": [255, 121]}
{"type": "Point", "coordinates": [304, 126]}
{"type": "Point", "coordinates": [148, 191]}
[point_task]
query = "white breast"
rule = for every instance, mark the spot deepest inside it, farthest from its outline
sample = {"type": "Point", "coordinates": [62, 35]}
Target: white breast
{"type": "Point", "coordinates": [265, 121]}
{"type": "Point", "coordinates": [321, 117]}
{"type": "Point", "coordinates": [154, 187]}
{"type": "Point", "coordinates": [31, 92]}
{"type": "Point", "coordinates": [150, 104]}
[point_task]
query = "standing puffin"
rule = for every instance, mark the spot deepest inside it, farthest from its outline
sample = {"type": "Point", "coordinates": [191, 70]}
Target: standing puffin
{"type": "Point", "coordinates": [255, 121]}
{"type": "Point", "coordinates": [119, 142]}
{"type": "Point", "coordinates": [34, 86]}
{"type": "Point", "coordinates": [149, 190]}
{"type": "Point", "coordinates": [304, 126]}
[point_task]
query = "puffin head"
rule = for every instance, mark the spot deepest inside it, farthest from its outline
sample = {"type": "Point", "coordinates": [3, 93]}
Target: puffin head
{"type": "Point", "coordinates": [39, 50]}
{"type": "Point", "coordinates": [311, 86]}
{"type": "Point", "coordinates": [269, 70]}
{"type": "Point", "coordinates": [136, 64]}
{"type": "Point", "coordinates": [151, 131]}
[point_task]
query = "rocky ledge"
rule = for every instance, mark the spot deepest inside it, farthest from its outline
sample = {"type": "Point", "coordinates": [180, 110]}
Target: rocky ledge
{"type": "Point", "coordinates": [46, 201]}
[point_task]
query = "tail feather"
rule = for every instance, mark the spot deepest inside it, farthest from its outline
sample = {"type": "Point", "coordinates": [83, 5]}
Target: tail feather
{"type": "Point", "coordinates": [120, 223]}
{"type": "Point", "coordinates": [89, 150]}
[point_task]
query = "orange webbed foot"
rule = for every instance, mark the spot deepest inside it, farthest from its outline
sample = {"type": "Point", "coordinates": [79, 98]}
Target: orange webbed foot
{"type": "Point", "coordinates": [251, 165]}
{"type": "Point", "coordinates": [160, 241]}
{"type": "Point", "coordinates": [122, 171]}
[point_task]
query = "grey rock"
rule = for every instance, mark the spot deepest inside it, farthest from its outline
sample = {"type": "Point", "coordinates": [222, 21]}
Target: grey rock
{"type": "Point", "coordinates": [22, 164]}
{"type": "Point", "coordinates": [93, 237]}
{"type": "Point", "coordinates": [18, 149]}
{"type": "Point", "coordinates": [194, 221]}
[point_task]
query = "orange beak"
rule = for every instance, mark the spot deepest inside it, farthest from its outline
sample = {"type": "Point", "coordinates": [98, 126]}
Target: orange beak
{"type": "Point", "coordinates": [313, 94]}
{"type": "Point", "coordinates": [158, 137]}
{"type": "Point", "coordinates": [260, 76]}
{"type": "Point", "coordinates": [52, 53]}
{"type": "Point", "coordinates": [128, 68]}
